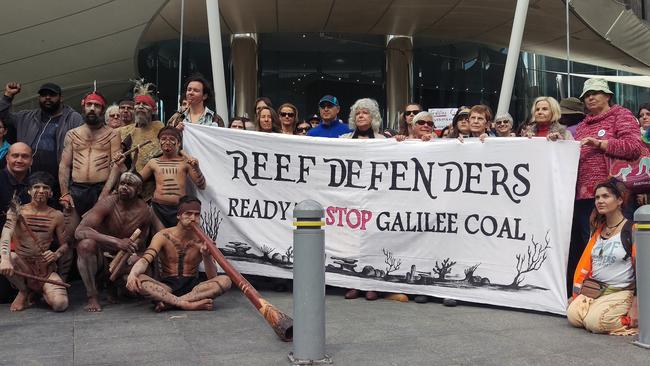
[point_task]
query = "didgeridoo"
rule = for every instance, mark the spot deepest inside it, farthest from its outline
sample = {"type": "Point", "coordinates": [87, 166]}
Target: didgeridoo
{"type": "Point", "coordinates": [121, 258]}
{"type": "Point", "coordinates": [41, 279]}
{"type": "Point", "coordinates": [281, 323]}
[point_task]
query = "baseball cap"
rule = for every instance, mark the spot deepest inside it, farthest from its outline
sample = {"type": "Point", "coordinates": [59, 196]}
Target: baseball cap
{"type": "Point", "coordinates": [313, 117]}
{"type": "Point", "coordinates": [50, 87]}
{"type": "Point", "coordinates": [329, 99]}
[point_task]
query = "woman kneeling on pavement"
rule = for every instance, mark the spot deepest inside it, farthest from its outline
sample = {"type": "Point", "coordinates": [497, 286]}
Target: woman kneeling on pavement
{"type": "Point", "coordinates": [604, 285]}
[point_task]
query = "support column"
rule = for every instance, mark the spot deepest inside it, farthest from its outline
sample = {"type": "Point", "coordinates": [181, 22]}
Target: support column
{"type": "Point", "coordinates": [518, 24]}
{"type": "Point", "coordinates": [243, 50]}
{"type": "Point", "coordinates": [216, 55]}
{"type": "Point", "coordinates": [399, 77]}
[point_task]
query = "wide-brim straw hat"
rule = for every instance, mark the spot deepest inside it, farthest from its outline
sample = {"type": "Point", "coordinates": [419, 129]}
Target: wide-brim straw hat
{"type": "Point", "coordinates": [572, 106]}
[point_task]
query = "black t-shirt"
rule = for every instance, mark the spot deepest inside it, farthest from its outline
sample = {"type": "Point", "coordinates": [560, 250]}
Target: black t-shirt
{"type": "Point", "coordinates": [45, 148]}
{"type": "Point", "coordinates": [9, 185]}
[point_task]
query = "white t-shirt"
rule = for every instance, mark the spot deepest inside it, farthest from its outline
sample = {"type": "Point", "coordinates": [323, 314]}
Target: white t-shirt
{"type": "Point", "coordinates": [607, 264]}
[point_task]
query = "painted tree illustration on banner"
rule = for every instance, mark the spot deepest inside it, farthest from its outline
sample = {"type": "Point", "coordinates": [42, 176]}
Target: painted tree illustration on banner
{"type": "Point", "coordinates": [266, 251]}
{"type": "Point", "coordinates": [530, 261]}
{"type": "Point", "coordinates": [444, 268]}
{"type": "Point", "coordinates": [392, 262]}
{"type": "Point", "coordinates": [210, 221]}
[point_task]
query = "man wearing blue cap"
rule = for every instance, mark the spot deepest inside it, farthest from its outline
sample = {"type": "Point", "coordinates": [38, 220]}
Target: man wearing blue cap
{"type": "Point", "coordinates": [330, 125]}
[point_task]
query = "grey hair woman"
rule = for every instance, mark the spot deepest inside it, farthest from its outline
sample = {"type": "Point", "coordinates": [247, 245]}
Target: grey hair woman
{"type": "Point", "coordinates": [365, 120]}
{"type": "Point", "coordinates": [113, 117]}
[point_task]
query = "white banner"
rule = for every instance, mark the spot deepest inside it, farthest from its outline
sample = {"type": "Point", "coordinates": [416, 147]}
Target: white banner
{"type": "Point", "coordinates": [482, 222]}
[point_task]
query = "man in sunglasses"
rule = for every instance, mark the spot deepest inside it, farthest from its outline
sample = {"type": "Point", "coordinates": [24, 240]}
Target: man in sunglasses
{"type": "Point", "coordinates": [330, 125]}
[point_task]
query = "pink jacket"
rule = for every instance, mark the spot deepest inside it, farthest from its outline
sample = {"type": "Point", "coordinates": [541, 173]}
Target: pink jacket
{"type": "Point", "coordinates": [619, 127]}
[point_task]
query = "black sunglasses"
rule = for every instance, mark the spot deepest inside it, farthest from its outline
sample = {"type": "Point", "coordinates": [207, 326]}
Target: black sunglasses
{"type": "Point", "coordinates": [287, 114]}
{"type": "Point", "coordinates": [422, 123]}
{"type": "Point", "coordinates": [409, 113]}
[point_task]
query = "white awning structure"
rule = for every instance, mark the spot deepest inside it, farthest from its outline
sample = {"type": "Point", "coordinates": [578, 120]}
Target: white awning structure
{"type": "Point", "coordinates": [74, 42]}
{"type": "Point", "coordinates": [642, 81]}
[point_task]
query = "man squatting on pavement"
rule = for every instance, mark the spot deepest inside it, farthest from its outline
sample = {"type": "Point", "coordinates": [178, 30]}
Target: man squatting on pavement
{"type": "Point", "coordinates": [180, 251]}
{"type": "Point", "coordinates": [107, 227]}
{"type": "Point", "coordinates": [32, 227]}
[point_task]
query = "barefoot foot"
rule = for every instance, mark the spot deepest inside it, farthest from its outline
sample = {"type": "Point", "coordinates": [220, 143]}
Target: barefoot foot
{"type": "Point", "coordinates": [20, 302]}
{"type": "Point", "coordinates": [160, 307]}
{"type": "Point", "coordinates": [205, 304]}
{"type": "Point", "coordinates": [93, 304]}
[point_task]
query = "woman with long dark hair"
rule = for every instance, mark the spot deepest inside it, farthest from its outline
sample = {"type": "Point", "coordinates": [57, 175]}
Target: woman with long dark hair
{"type": "Point", "coordinates": [604, 284]}
{"type": "Point", "coordinates": [267, 120]}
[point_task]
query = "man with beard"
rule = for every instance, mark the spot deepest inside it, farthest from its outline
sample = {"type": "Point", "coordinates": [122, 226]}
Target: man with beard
{"type": "Point", "coordinates": [144, 129]}
{"type": "Point", "coordinates": [86, 159]}
{"type": "Point", "coordinates": [107, 228]}
{"type": "Point", "coordinates": [180, 252]}
{"type": "Point", "coordinates": [32, 227]}
{"type": "Point", "coordinates": [43, 129]}
{"type": "Point", "coordinates": [170, 172]}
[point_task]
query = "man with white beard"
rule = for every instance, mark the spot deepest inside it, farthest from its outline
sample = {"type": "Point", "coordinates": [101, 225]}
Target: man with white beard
{"type": "Point", "coordinates": [144, 129]}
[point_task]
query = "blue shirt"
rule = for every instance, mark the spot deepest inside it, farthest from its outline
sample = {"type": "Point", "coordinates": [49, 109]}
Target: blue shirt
{"type": "Point", "coordinates": [335, 129]}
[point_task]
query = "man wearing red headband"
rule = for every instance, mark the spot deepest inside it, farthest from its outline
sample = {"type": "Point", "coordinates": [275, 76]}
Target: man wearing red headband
{"type": "Point", "coordinates": [180, 251]}
{"type": "Point", "coordinates": [144, 129]}
{"type": "Point", "coordinates": [86, 158]}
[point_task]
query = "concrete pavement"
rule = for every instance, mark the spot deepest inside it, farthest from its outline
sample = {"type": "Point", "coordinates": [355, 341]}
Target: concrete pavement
{"type": "Point", "coordinates": [359, 332]}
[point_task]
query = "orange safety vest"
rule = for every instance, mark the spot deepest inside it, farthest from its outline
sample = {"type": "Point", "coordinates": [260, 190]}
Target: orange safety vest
{"type": "Point", "coordinates": [583, 270]}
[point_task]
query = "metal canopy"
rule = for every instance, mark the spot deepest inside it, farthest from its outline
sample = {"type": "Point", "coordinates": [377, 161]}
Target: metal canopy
{"type": "Point", "coordinates": [482, 21]}
{"type": "Point", "coordinates": [73, 42]}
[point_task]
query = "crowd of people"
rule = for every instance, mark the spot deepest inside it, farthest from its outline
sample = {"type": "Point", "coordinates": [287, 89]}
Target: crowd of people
{"type": "Point", "coordinates": [112, 183]}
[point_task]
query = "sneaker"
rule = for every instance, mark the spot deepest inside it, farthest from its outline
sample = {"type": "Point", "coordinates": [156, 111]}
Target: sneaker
{"type": "Point", "coordinates": [352, 294]}
{"type": "Point", "coordinates": [397, 297]}
{"type": "Point", "coordinates": [421, 299]}
{"type": "Point", "coordinates": [449, 302]}
{"type": "Point", "coordinates": [371, 296]}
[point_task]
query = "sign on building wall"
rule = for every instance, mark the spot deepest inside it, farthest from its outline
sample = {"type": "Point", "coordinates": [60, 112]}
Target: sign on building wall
{"type": "Point", "coordinates": [482, 222]}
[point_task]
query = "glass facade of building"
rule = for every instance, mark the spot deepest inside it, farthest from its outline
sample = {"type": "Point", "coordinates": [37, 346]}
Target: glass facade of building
{"type": "Point", "coordinates": [300, 68]}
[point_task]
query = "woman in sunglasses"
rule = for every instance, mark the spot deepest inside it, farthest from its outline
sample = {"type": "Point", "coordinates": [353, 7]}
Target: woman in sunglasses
{"type": "Point", "coordinates": [546, 120]}
{"type": "Point", "coordinates": [365, 120]}
{"type": "Point", "coordinates": [406, 118]}
{"type": "Point", "coordinates": [460, 124]}
{"type": "Point", "coordinates": [288, 116]}
{"type": "Point", "coordinates": [113, 117]}
{"type": "Point", "coordinates": [302, 128]}
{"type": "Point", "coordinates": [503, 125]}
